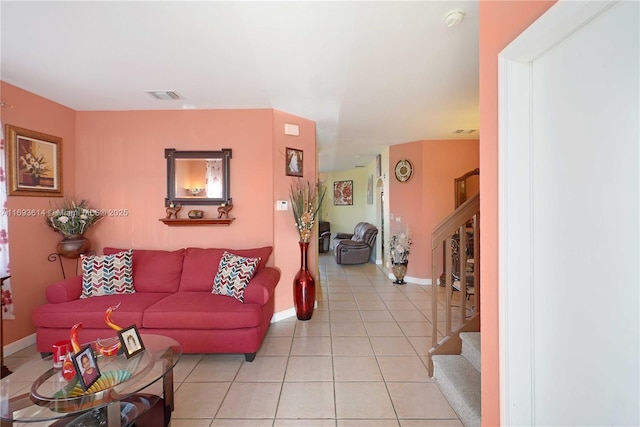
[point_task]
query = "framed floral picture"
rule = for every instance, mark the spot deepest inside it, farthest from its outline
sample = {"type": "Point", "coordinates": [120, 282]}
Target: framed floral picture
{"type": "Point", "coordinates": [34, 163]}
{"type": "Point", "coordinates": [343, 193]}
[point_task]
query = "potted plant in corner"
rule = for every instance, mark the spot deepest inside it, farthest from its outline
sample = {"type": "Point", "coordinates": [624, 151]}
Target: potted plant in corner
{"type": "Point", "coordinates": [400, 245]}
{"type": "Point", "coordinates": [306, 199]}
{"type": "Point", "coordinates": [72, 220]}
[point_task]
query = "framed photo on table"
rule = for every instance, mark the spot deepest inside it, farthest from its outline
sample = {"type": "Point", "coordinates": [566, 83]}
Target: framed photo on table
{"type": "Point", "coordinates": [34, 163]}
{"type": "Point", "coordinates": [131, 341]}
{"type": "Point", "coordinates": [86, 367]}
{"type": "Point", "coordinates": [293, 162]}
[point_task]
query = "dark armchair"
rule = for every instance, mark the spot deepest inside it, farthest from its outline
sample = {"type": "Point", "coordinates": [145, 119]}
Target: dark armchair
{"type": "Point", "coordinates": [324, 236]}
{"type": "Point", "coordinates": [356, 247]}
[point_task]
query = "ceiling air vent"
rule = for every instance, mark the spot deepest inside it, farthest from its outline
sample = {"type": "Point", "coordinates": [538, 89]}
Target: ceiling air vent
{"type": "Point", "coordinates": [163, 94]}
{"type": "Point", "coordinates": [465, 130]}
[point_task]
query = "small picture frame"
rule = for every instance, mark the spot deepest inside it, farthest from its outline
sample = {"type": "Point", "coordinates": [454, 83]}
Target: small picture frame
{"type": "Point", "coordinates": [86, 367]}
{"type": "Point", "coordinates": [293, 162]}
{"type": "Point", "coordinates": [370, 190]}
{"type": "Point", "coordinates": [131, 341]}
{"type": "Point", "coordinates": [343, 193]}
{"type": "Point", "coordinates": [34, 163]}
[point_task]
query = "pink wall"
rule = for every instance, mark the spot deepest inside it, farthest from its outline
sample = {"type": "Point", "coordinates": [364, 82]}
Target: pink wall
{"type": "Point", "coordinates": [31, 240]}
{"type": "Point", "coordinates": [500, 23]}
{"type": "Point", "coordinates": [287, 250]}
{"type": "Point", "coordinates": [116, 161]}
{"type": "Point", "coordinates": [427, 198]}
{"type": "Point", "coordinates": [123, 167]}
{"type": "Point", "coordinates": [125, 163]}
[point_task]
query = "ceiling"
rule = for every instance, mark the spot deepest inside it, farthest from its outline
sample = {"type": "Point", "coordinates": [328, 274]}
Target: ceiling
{"type": "Point", "coordinates": [370, 74]}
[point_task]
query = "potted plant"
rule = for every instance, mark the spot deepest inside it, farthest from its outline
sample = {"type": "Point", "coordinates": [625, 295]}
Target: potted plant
{"type": "Point", "coordinates": [72, 220]}
{"type": "Point", "coordinates": [399, 248]}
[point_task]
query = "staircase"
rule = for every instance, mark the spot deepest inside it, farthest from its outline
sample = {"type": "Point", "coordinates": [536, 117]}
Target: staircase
{"type": "Point", "coordinates": [454, 358]}
{"type": "Point", "coordinates": [458, 377]}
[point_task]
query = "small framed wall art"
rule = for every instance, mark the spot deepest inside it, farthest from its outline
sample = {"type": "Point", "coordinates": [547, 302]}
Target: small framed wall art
{"type": "Point", "coordinates": [343, 193]}
{"type": "Point", "coordinates": [293, 162]}
{"type": "Point", "coordinates": [34, 163]}
{"type": "Point", "coordinates": [370, 190]}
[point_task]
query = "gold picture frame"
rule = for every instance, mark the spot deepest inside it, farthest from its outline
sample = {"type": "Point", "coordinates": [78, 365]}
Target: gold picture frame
{"type": "Point", "coordinates": [34, 163]}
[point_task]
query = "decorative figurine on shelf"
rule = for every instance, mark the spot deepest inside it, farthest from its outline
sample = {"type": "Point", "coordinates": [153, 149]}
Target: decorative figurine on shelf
{"type": "Point", "coordinates": [195, 191]}
{"type": "Point", "coordinates": [173, 209]}
{"type": "Point", "coordinates": [224, 209]}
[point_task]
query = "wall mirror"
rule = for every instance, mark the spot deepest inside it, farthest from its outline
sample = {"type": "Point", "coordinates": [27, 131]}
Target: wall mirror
{"type": "Point", "coordinates": [198, 177]}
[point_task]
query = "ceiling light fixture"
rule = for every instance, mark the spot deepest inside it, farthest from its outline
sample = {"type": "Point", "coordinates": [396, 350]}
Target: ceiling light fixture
{"type": "Point", "coordinates": [454, 17]}
{"type": "Point", "coordinates": [163, 94]}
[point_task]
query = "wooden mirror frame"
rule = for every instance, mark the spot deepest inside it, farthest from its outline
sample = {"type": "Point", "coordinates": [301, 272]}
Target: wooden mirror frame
{"type": "Point", "coordinates": [171, 155]}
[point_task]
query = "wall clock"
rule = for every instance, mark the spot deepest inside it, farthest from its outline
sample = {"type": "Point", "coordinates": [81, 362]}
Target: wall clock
{"type": "Point", "coordinates": [404, 170]}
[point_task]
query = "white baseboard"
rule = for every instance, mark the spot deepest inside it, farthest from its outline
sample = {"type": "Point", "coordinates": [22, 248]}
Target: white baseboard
{"type": "Point", "coordinates": [412, 280]}
{"type": "Point", "coordinates": [21, 344]}
{"type": "Point", "coordinates": [282, 315]}
{"type": "Point", "coordinates": [287, 314]}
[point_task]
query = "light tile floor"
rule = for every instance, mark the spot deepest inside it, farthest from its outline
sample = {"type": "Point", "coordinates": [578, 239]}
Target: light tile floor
{"type": "Point", "coordinates": [359, 362]}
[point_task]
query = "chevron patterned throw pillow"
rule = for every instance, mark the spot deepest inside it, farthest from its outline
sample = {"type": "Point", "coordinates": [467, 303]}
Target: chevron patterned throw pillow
{"type": "Point", "coordinates": [234, 273]}
{"type": "Point", "coordinates": [107, 274]}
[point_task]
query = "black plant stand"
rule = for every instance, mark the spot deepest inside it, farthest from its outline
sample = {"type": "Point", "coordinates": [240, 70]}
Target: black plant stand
{"type": "Point", "coordinates": [58, 257]}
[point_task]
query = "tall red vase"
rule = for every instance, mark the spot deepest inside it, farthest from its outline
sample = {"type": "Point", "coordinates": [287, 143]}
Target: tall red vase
{"type": "Point", "coordinates": [304, 287]}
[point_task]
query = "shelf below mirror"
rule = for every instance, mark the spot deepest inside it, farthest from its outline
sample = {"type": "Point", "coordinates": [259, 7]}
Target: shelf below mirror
{"type": "Point", "coordinates": [198, 221]}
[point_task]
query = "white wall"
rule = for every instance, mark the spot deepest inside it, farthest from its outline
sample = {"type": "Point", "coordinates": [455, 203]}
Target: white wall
{"type": "Point", "coordinates": [570, 240]}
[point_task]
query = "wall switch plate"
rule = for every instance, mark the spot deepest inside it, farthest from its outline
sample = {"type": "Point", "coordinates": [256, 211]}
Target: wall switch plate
{"type": "Point", "coordinates": [282, 205]}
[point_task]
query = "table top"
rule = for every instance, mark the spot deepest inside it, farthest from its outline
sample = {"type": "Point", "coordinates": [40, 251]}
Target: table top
{"type": "Point", "coordinates": [51, 397]}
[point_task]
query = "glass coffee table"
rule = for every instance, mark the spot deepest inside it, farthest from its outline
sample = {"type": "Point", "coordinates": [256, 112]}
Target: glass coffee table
{"type": "Point", "coordinates": [139, 389]}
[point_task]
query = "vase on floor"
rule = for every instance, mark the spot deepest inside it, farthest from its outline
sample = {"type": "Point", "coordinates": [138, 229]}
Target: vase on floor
{"type": "Point", "coordinates": [73, 246]}
{"type": "Point", "coordinates": [399, 270]}
{"type": "Point", "coordinates": [304, 287]}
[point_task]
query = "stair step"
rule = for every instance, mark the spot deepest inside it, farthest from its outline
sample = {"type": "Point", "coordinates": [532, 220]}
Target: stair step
{"type": "Point", "coordinates": [471, 347]}
{"type": "Point", "coordinates": [459, 381]}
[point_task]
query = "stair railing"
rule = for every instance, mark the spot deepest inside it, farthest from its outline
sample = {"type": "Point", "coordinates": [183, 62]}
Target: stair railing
{"type": "Point", "coordinates": [459, 225]}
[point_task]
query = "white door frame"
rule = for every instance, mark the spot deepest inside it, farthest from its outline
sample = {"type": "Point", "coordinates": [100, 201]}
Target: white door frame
{"type": "Point", "coordinates": [515, 231]}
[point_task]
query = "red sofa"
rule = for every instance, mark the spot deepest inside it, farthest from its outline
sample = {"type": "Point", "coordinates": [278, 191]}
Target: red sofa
{"type": "Point", "coordinates": [173, 298]}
